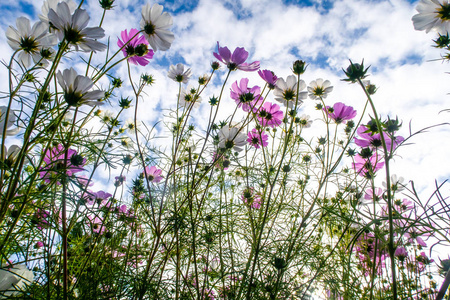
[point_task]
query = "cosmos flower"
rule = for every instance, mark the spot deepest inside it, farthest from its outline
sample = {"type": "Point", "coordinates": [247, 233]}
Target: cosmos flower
{"type": "Point", "coordinates": [41, 218]}
{"type": "Point", "coordinates": [269, 77]}
{"type": "Point", "coordinates": [235, 61]}
{"type": "Point", "coordinates": [76, 89]}
{"type": "Point", "coordinates": [367, 139]}
{"type": "Point", "coordinates": [433, 15]}
{"type": "Point", "coordinates": [189, 96]}
{"type": "Point", "coordinates": [52, 4]}
{"type": "Point", "coordinates": [403, 205]}
{"type": "Point", "coordinates": [72, 28]}
{"type": "Point", "coordinates": [178, 74]}
{"type": "Point", "coordinates": [100, 198]}
{"type": "Point", "coordinates": [96, 224]}
{"type": "Point", "coordinates": [257, 138]}
{"type": "Point", "coordinates": [119, 180]}
{"type": "Point", "coordinates": [401, 253]}
{"type": "Point", "coordinates": [251, 198]}
{"type": "Point", "coordinates": [305, 121]}
{"type": "Point", "coordinates": [373, 194]}
{"type": "Point", "coordinates": [13, 279]}
{"type": "Point", "coordinates": [153, 174]}
{"type": "Point", "coordinates": [245, 97]}
{"type": "Point", "coordinates": [55, 164]}
{"type": "Point", "coordinates": [340, 112]}
{"type": "Point", "coordinates": [367, 167]}
{"type": "Point", "coordinates": [396, 183]}
{"type": "Point", "coordinates": [319, 89]}
{"type": "Point", "coordinates": [269, 115]}
{"type": "Point", "coordinates": [231, 138]}
{"type": "Point", "coordinates": [136, 48]}
{"type": "Point", "coordinates": [30, 41]}
{"type": "Point", "coordinates": [155, 24]}
{"type": "Point", "coordinates": [10, 154]}
{"type": "Point", "coordinates": [39, 245]}
{"type": "Point", "coordinates": [221, 161]}
{"type": "Point", "coordinates": [286, 91]}
{"type": "Point", "coordinates": [10, 128]}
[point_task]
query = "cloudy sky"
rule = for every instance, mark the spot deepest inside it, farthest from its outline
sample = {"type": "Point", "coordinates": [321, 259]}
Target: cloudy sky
{"type": "Point", "coordinates": [412, 81]}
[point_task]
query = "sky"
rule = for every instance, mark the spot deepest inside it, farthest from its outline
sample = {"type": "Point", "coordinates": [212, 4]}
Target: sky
{"type": "Point", "coordinates": [412, 82]}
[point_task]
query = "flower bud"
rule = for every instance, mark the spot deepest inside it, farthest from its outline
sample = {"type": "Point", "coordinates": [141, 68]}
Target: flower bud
{"type": "Point", "coordinates": [299, 67]}
{"type": "Point", "coordinates": [355, 72]}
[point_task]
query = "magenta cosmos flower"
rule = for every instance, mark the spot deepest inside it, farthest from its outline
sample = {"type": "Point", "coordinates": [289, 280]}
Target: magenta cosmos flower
{"type": "Point", "coordinates": [340, 112]}
{"type": "Point", "coordinates": [367, 166]}
{"type": "Point", "coordinates": [236, 60]}
{"type": "Point", "coordinates": [367, 139]}
{"type": "Point", "coordinates": [135, 47]}
{"type": "Point", "coordinates": [269, 115]}
{"type": "Point", "coordinates": [56, 164]}
{"type": "Point", "coordinates": [269, 77]}
{"type": "Point", "coordinates": [96, 224]}
{"type": "Point", "coordinates": [100, 198]}
{"type": "Point", "coordinates": [153, 174]}
{"type": "Point", "coordinates": [258, 138]}
{"type": "Point", "coordinates": [245, 97]}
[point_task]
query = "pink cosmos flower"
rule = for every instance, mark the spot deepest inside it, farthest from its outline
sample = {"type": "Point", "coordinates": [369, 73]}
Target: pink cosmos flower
{"type": "Point", "coordinates": [269, 77]}
{"type": "Point", "coordinates": [119, 180]}
{"type": "Point", "coordinates": [403, 205]}
{"type": "Point", "coordinates": [96, 224]}
{"type": "Point", "coordinates": [340, 112]}
{"type": "Point", "coordinates": [100, 198]}
{"type": "Point", "coordinates": [124, 211]}
{"type": "Point", "coordinates": [367, 167]}
{"type": "Point", "coordinates": [258, 138]}
{"type": "Point", "coordinates": [84, 180]}
{"type": "Point", "coordinates": [251, 198]}
{"type": "Point", "coordinates": [153, 174]}
{"type": "Point", "coordinates": [55, 163]}
{"type": "Point", "coordinates": [373, 194]}
{"type": "Point", "coordinates": [365, 249]}
{"type": "Point", "coordinates": [269, 115]}
{"type": "Point", "coordinates": [245, 97]}
{"type": "Point", "coordinates": [41, 218]}
{"type": "Point", "coordinates": [414, 234]}
{"type": "Point", "coordinates": [236, 60]}
{"type": "Point", "coordinates": [221, 161]}
{"type": "Point", "coordinates": [401, 253]}
{"type": "Point", "coordinates": [422, 261]}
{"type": "Point", "coordinates": [135, 47]}
{"type": "Point", "coordinates": [39, 245]}
{"type": "Point", "coordinates": [367, 139]}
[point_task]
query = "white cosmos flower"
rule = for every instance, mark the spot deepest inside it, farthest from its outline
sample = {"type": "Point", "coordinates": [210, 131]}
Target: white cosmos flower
{"type": "Point", "coordinates": [10, 154]}
{"type": "Point", "coordinates": [231, 138]}
{"type": "Point", "coordinates": [51, 4]}
{"type": "Point", "coordinates": [433, 15]}
{"type": "Point", "coordinates": [76, 89]}
{"type": "Point", "coordinates": [286, 91]}
{"type": "Point", "coordinates": [305, 122]}
{"type": "Point", "coordinates": [14, 279]}
{"type": "Point", "coordinates": [319, 89]}
{"type": "Point", "coordinates": [29, 40]}
{"type": "Point", "coordinates": [72, 28]}
{"type": "Point", "coordinates": [189, 96]}
{"type": "Point", "coordinates": [155, 24]}
{"type": "Point", "coordinates": [11, 120]}
{"type": "Point", "coordinates": [177, 73]}
{"type": "Point", "coordinates": [396, 183]}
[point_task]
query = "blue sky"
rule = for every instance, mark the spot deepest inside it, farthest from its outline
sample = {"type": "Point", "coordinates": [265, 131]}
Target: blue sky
{"type": "Point", "coordinates": [326, 34]}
